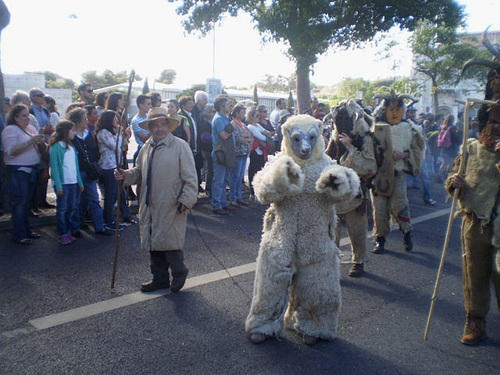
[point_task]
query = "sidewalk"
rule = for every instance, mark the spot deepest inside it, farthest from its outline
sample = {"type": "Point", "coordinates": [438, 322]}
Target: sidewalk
{"type": "Point", "coordinates": [48, 216]}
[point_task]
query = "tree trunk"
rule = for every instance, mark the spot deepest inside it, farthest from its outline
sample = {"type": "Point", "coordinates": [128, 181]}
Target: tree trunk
{"type": "Point", "coordinates": [303, 86]}
{"type": "Point", "coordinates": [435, 102]}
{"type": "Point", "coordinates": [4, 21]}
{"type": "Point", "coordinates": [435, 99]}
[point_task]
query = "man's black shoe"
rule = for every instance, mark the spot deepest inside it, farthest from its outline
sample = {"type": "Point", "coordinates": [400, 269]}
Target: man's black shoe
{"type": "Point", "coordinates": [408, 242]}
{"type": "Point", "coordinates": [178, 283]}
{"type": "Point", "coordinates": [151, 286]}
{"type": "Point", "coordinates": [379, 245]}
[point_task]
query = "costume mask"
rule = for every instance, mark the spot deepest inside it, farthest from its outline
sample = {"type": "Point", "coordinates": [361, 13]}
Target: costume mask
{"type": "Point", "coordinates": [344, 122]}
{"type": "Point", "coordinates": [303, 143]}
{"type": "Point", "coordinates": [394, 114]}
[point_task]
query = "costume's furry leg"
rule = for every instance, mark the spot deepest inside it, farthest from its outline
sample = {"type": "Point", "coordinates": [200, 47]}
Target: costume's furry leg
{"type": "Point", "coordinates": [272, 281]}
{"type": "Point", "coordinates": [315, 298]}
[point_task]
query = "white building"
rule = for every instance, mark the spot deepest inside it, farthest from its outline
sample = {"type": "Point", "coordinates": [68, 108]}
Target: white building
{"type": "Point", "coordinates": [25, 82]}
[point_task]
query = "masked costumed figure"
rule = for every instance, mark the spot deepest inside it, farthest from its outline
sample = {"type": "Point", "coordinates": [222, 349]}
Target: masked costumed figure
{"type": "Point", "coordinates": [298, 262]}
{"type": "Point", "coordinates": [479, 205]}
{"type": "Point", "coordinates": [402, 145]}
{"type": "Point", "coordinates": [352, 145]}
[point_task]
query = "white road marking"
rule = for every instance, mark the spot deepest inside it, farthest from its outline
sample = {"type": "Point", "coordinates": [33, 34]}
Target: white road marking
{"type": "Point", "coordinates": [87, 311]}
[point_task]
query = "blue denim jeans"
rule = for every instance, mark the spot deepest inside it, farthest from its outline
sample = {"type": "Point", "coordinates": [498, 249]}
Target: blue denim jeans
{"type": "Point", "coordinates": [237, 175]}
{"type": "Point", "coordinates": [66, 211]}
{"type": "Point", "coordinates": [110, 195]}
{"type": "Point", "coordinates": [89, 202]}
{"type": "Point", "coordinates": [20, 187]}
{"type": "Point", "coordinates": [219, 197]}
{"type": "Point", "coordinates": [425, 177]}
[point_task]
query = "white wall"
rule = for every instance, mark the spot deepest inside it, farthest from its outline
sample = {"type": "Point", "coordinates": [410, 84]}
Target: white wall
{"type": "Point", "coordinates": [25, 82]}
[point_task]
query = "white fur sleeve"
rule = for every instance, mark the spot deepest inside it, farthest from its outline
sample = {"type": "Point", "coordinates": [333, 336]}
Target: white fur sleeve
{"type": "Point", "coordinates": [280, 178]}
{"type": "Point", "coordinates": [338, 183]}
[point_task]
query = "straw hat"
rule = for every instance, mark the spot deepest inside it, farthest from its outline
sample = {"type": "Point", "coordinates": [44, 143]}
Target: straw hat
{"type": "Point", "coordinates": [157, 113]}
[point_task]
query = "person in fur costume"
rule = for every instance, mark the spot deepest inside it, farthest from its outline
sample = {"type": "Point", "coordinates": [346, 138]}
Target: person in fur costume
{"type": "Point", "coordinates": [479, 200]}
{"type": "Point", "coordinates": [298, 261]}
{"type": "Point", "coordinates": [351, 145]}
{"type": "Point", "coordinates": [402, 146]}
{"type": "Point", "coordinates": [479, 206]}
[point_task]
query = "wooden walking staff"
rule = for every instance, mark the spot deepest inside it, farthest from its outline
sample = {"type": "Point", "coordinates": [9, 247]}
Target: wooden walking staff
{"type": "Point", "coordinates": [461, 169]}
{"type": "Point", "coordinates": [118, 159]}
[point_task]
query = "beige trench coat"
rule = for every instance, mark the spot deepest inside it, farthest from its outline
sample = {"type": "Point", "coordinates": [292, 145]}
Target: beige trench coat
{"type": "Point", "coordinates": [174, 181]}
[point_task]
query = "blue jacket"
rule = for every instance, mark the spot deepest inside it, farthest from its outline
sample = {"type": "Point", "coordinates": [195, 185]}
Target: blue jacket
{"type": "Point", "coordinates": [56, 166]}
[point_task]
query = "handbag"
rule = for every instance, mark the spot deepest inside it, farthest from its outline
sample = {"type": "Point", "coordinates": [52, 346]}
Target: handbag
{"type": "Point", "coordinates": [42, 168]}
{"type": "Point", "coordinates": [92, 168]}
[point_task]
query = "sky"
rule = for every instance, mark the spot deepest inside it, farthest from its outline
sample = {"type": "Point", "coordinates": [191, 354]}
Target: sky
{"type": "Point", "coordinates": [74, 36]}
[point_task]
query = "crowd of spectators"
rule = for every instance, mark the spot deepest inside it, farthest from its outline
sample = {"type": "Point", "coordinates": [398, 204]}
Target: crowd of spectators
{"type": "Point", "coordinates": [230, 143]}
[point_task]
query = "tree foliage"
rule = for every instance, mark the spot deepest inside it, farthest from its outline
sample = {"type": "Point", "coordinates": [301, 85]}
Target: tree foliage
{"type": "Point", "coordinates": [359, 88]}
{"type": "Point", "coordinates": [440, 54]}
{"type": "Point", "coordinates": [107, 78]}
{"type": "Point", "coordinates": [55, 81]}
{"type": "Point", "coordinates": [309, 28]}
{"type": "Point", "coordinates": [191, 91]}
{"type": "Point", "coordinates": [255, 95]}
{"type": "Point", "coordinates": [145, 87]}
{"type": "Point", "coordinates": [278, 83]}
{"type": "Point", "coordinates": [167, 76]}
{"type": "Point", "coordinates": [290, 103]}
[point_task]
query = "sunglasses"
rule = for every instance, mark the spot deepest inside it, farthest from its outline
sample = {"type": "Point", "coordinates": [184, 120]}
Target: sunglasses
{"type": "Point", "coordinates": [90, 91]}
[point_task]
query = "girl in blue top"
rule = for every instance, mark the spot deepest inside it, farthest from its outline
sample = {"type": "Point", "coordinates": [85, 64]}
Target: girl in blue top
{"type": "Point", "coordinates": [67, 181]}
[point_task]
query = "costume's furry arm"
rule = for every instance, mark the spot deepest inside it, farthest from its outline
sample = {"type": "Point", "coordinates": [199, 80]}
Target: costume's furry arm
{"type": "Point", "coordinates": [280, 178]}
{"type": "Point", "coordinates": [413, 163]}
{"type": "Point", "coordinates": [338, 183]}
{"type": "Point", "coordinates": [362, 161]}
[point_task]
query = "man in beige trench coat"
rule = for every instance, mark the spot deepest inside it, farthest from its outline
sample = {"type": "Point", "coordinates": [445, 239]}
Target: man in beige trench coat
{"type": "Point", "coordinates": [165, 168]}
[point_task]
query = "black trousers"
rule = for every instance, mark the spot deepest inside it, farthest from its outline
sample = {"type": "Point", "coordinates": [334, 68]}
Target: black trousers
{"type": "Point", "coordinates": [257, 162]}
{"type": "Point", "coordinates": [161, 261]}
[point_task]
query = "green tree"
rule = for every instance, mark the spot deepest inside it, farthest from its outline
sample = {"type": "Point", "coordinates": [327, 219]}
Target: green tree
{"type": "Point", "coordinates": [4, 22]}
{"type": "Point", "coordinates": [310, 28]}
{"type": "Point", "coordinates": [108, 78]}
{"type": "Point", "coordinates": [55, 81]}
{"type": "Point", "coordinates": [145, 88]}
{"type": "Point", "coordinates": [190, 91]}
{"type": "Point", "coordinates": [167, 76]}
{"type": "Point", "coordinates": [276, 84]}
{"type": "Point", "coordinates": [290, 103]}
{"type": "Point", "coordinates": [440, 54]}
{"type": "Point", "coordinates": [255, 95]}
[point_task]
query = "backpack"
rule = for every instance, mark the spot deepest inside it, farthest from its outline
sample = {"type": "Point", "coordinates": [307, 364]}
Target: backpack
{"type": "Point", "coordinates": [444, 138]}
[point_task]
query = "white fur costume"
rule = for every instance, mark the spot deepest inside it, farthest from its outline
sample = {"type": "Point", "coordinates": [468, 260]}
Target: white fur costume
{"type": "Point", "coordinates": [298, 259]}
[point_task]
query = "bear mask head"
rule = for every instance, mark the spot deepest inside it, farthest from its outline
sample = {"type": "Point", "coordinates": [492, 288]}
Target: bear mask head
{"type": "Point", "coordinates": [302, 139]}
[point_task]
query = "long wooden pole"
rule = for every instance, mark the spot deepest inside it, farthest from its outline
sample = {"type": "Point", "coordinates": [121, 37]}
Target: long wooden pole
{"type": "Point", "coordinates": [451, 217]}
{"type": "Point", "coordinates": [118, 158]}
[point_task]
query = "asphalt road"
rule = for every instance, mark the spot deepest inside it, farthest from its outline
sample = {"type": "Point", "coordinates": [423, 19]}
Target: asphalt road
{"type": "Point", "coordinates": [58, 314]}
